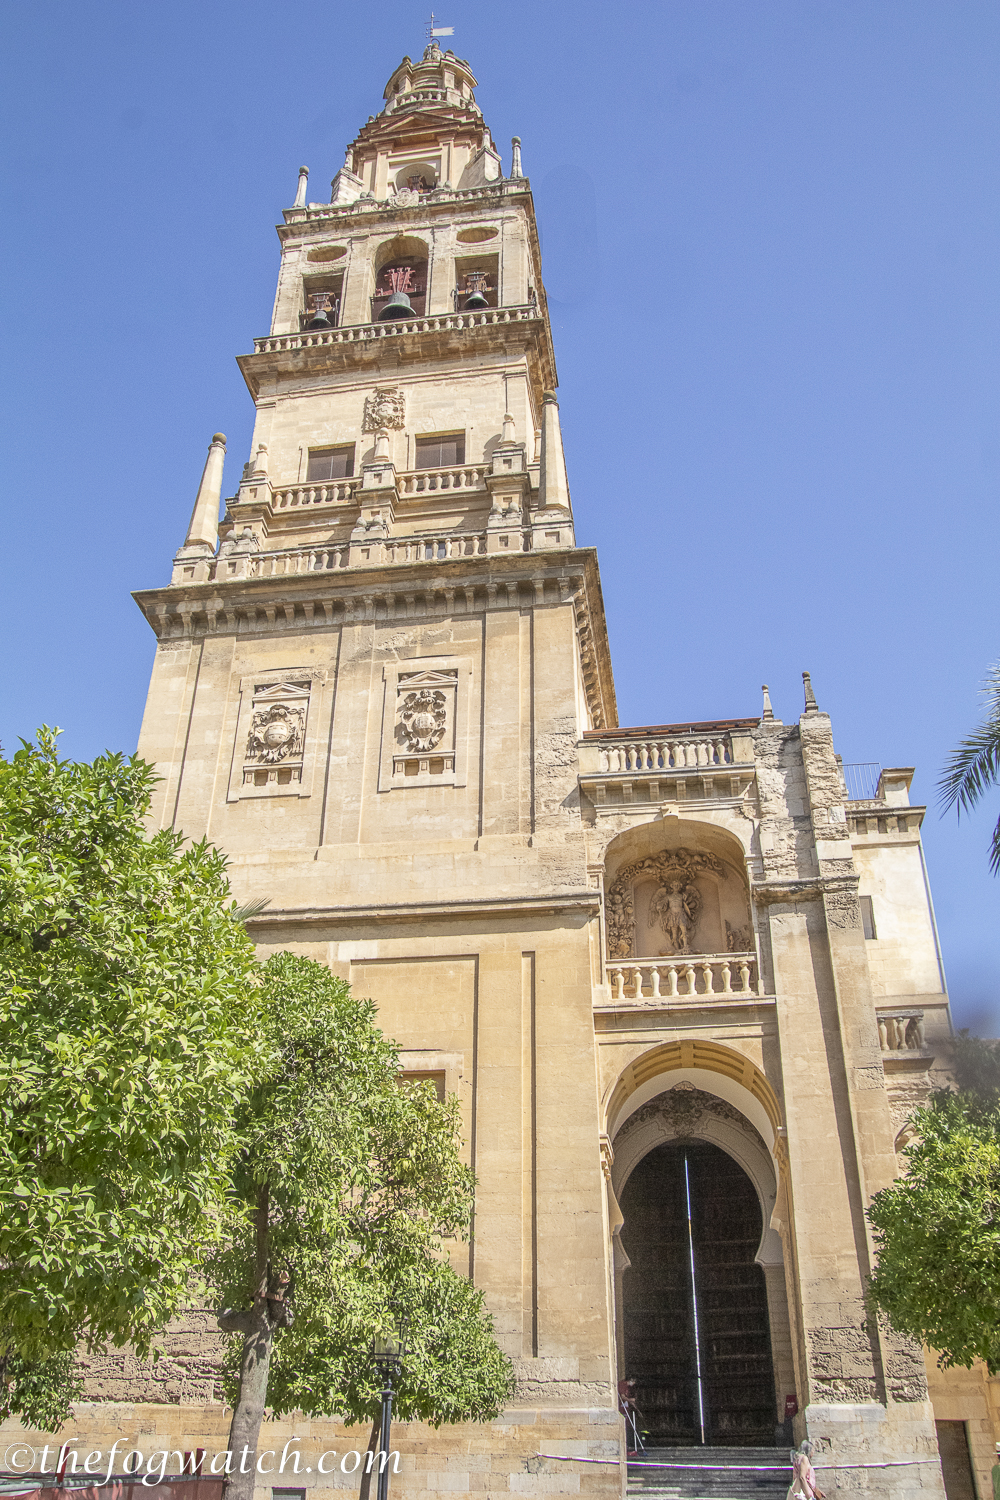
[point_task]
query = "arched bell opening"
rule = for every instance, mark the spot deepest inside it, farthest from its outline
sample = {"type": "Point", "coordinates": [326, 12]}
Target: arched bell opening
{"type": "Point", "coordinates": [400, 280]}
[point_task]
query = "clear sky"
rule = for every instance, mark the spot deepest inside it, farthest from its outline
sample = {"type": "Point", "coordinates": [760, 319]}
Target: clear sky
{"type": "Point", "coordinates": [770, 234]}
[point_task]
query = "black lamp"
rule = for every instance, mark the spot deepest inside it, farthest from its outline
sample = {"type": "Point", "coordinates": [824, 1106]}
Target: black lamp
{"type": "Point", "coordinates": [388, 1351]}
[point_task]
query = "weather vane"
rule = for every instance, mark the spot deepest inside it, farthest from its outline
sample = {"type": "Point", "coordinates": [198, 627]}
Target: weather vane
{"type": "Point", "coordinates": [436, 31]}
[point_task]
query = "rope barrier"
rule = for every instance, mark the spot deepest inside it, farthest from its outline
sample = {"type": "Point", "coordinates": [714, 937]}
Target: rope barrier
{"type": "Point", "coordinates": [635, 1463]}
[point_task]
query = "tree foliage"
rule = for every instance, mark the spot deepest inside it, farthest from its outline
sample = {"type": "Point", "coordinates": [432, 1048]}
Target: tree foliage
{"type": "Point", "coordinates": [346, 1188]}
{"type": "Point", "coordinates": [126, 1027]}
{"type": "Point", "coordinates": [975, 766]}
{"type": "Point", "coordinates": [937, 1232]}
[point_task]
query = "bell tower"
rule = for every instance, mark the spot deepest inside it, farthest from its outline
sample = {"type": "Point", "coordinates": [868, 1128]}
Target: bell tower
{"type": "Point", "coordinates": [372, 677]}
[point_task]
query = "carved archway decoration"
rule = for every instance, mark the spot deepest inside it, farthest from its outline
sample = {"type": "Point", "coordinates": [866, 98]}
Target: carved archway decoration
{"type": "Point", "coordinates": [670, 1056]}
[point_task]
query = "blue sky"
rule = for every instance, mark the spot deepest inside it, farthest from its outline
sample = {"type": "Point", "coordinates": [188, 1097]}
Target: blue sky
{"type": "Point", "coordinates": [770, 233]}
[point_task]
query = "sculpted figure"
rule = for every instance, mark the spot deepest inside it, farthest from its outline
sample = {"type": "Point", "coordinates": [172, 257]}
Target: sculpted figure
{"type": "Point", "coordinates": [675, 908]}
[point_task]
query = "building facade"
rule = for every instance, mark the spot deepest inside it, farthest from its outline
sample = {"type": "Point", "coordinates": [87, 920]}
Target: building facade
{"type": "Point", "coordinates": [684, 978]}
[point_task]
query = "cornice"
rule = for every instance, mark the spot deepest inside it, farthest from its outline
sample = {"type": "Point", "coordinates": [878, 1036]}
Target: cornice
{"type": "Point", "coordinates": [771, 892]}
{"type": "Point", "coordinates": [406, 592]}
{"type": "Point", "coordinates": [372, 212]}
{"type": "Point", "coordinates": [441, 336]}
{"type": "Point", "coordinates": [586, 903]}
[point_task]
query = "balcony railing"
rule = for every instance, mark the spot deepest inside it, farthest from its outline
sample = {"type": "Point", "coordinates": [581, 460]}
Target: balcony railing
{"type": "Point", "coordinates": [665, 754]}
{"type": "Point", "coordinates": [685, 977]}
{"type": "Point", "coordinates": [408, 483]}
{"type": "Point", "coordinates": [458, 477]}
{"type": "Point", "coordinates": [362, 333]}
{"type": "Point", "coordinates": [861, 778]}
{"type": "Point", "coordinates": [330, 492]}
{"type": "Point", "coordinates": [901, 1031]}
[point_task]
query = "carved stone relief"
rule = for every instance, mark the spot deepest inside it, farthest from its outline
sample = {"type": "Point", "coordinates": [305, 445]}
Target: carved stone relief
{"type": "Point", "coordinates": [276, 732]}
{"type": "Point", "coordinates": [275, 744]}
{"type": "Point", "coordinates": [680, 1110]}
{"type": "Point", "coordinates": [385, 407]}
{"type": "Point", "coordinates": [423, 717]}
{"type": "Point", "coordinates": [739, 939]}
{"type": "Point", "coordinates": [674, 907]}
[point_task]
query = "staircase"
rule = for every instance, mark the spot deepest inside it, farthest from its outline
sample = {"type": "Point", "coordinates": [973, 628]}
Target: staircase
{"type": "Point", "coordinates": [725, 1481]}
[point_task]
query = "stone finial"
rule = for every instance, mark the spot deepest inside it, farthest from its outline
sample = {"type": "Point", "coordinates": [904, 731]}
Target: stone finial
{"type": "Point", "coordinates": [300, 196]}
{"type": "Point", "coordinates": [260, 460]}
{"type": "Point", "coordinates": [767, 717]}
{"type": "Point", "coordinates": [508, 429]}
{"type": "Point", "coordinates": [204, 528]}
{"type": "Point", "coordinates": [812, 707]}
{"type": "Point", "coordinates": [553, 486]}
{"type": "Point", "coordinates": [382, 444]}
{"type": "Point", "coordinates": [515, 163]}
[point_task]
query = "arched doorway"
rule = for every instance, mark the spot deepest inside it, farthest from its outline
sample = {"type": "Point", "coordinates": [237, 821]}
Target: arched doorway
{"type": "Point", "coordinates": [696, 1329]}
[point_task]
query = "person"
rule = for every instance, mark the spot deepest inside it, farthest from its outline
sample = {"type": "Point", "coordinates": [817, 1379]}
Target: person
{"type": "Point", "coordinates": [803, 1485]}
{"type": "Point", "coordinates": [626, 1402]}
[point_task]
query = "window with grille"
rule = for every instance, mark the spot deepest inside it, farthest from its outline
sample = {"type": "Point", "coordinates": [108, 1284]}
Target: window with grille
{"type": "Point", "coordinates": [443, 452]}
{"type": "Point", "coordinates": [330, 463]}
{"type": "Point", "coordinates": [868, 917]}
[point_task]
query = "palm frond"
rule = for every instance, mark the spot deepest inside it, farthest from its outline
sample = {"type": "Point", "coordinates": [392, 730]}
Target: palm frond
{"type": "Point", "coordinates": [975, 766]}
{"type": "Point", "coordinates": [251, 909]}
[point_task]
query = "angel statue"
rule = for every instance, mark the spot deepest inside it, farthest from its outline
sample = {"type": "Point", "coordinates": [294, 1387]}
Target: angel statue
{"type": "Point", "coordinates": [675, 908]}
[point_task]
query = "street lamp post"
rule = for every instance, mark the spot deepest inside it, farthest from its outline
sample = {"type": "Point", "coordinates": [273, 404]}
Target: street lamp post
{"type": "Point", "coordinates": [388, 1351]}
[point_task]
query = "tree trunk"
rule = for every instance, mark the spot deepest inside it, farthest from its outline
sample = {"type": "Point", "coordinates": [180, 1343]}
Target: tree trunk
{"type": "Point", "coordinates": [366, 1476]}
{"type": "Point", "coordinates": [258, 1338]}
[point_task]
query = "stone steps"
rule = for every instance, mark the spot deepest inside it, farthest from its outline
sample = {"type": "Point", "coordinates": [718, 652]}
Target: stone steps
{"type": "Point", "coordinates": [723, 1481]}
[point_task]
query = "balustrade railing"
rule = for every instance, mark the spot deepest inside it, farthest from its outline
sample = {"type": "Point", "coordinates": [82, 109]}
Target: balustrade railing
{"type": "Point", "coordinates": [684, 977]}
{"type": "Point", "coordinates": [331, 492]}
{"type": "Point", "coordinates": [665, 754]}
{"type": "Point", "coordinates": [360, 333]}
{"type": "Point", "coordinates": [901, 1031]}
{"type": "Point", "coordinates": [406, 549]}
{"type": "Point", "coordinates": [302, 560]}
{"type": "Point", "coordinates": [421, 481]}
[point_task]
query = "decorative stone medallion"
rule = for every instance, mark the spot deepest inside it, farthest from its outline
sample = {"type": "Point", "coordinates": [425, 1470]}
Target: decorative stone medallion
{"type": "Point", "coordinates": [385, 407]}
{"type": "Point", "coordinates": [423, 717]}
{"type": "Point", "coordinates": [276, 733]}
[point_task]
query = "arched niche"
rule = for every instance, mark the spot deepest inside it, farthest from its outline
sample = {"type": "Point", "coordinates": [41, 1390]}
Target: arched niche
{"type": "Point", "coordinates": [676, 887]}
{"type": "Point", "coordinates": [401, 266]}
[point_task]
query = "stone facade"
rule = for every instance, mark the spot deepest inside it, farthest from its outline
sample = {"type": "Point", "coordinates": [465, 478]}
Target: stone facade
{"type": "Point", "coordinates": [383, 686]}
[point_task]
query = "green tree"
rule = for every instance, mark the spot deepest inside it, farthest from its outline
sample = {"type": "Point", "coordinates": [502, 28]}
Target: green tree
{"type": "Point", "coordinates": [937, 1231]}
{"type": "Point", "coordinates": [975, 766]}
{"type": "Point", "coordinates": [127, 1005]}
{"type": "Point", "coordinates": [346, 1187]}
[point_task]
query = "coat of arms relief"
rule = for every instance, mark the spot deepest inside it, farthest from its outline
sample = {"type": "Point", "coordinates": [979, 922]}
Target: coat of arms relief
{"type": "Point", "coordinates": [276, 736]}
{"type": "Point", "coordinates": [425, 716]}
{"type": "Point", "coordinates": [384, 408]}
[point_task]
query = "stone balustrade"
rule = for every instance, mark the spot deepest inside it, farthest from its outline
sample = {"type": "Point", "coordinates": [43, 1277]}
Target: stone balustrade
{"type": "Point", "coordinates": [901, 1031]}
{"type": "Point", "coordinates": [332, 492]}
{"type": "Point", "coordinates": [296, 560]}
{"type": "Point", "coordinates": [683, 977]}
{"type": "Point", "coordinates": [422, 481]}
{"type": "Point", "coordinates": [405, 549]}
{"type": "Point", "coordinates": [665, 754]}
{"type": "Point", "coordinates": [361, 333]}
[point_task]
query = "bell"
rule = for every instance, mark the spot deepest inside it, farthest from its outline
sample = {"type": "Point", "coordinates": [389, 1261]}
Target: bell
{"type": "Point", "coordinates": [398, 306]}
{"type": "Point", "coordinates": [475, 303]}
{"type": "Point", "coordinates": [320, 319]}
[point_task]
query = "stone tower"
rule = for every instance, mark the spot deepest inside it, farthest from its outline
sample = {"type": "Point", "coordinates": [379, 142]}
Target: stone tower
{"type": "Point", "coordinates": [684, 978]}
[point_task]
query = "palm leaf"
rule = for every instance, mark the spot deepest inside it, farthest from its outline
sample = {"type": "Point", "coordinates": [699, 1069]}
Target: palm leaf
{"type": "Point", "coordinates": [974, 767]}
{"type": "Point", "coordinates": [251, 909]}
